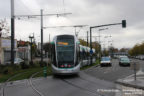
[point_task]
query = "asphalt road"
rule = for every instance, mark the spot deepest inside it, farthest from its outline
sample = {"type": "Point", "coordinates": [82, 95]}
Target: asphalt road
{"type": "Point", "coordinates": [110, 73]}
{"type": "Point", "coordinates": [95, 81]}
{"type": "Point", "coordinates": [81, 85]}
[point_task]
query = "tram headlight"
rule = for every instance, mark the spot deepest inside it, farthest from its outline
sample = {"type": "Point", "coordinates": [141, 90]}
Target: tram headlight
{"type": "Point", "coordinates": [69, 65]}
{"type": "Point", "coordinates": [62, 65]}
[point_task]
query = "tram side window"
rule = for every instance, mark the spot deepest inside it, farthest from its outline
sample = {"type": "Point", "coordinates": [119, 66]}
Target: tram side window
{"type": "Point", "coordinates": [77, 55]}
{"type": "Point", "coordinates": [53, 54]}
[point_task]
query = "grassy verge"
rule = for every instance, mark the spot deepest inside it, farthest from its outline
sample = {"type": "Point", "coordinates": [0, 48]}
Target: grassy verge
{"type": "Point", "coordinates": [26, 73]}
{"type": "Point", "coordinates": [41, 74]}
{"type": "Point", "coordinates": [88, 66]}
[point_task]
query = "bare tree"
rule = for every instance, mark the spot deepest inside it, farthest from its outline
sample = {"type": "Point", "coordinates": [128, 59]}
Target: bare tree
{"type": "Point", "coordinates": [4, 28]}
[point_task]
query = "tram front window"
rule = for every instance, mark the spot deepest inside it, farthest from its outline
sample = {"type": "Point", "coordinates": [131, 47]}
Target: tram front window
{"type": "Point", "coordinates": [65, 52]}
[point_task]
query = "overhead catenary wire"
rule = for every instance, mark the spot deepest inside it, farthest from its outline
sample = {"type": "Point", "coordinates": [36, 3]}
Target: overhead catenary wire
{"type": "Point", "coordinates": [75, 26]}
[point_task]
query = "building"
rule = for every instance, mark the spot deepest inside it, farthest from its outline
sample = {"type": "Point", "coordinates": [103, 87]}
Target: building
{"type": "Point", "coordinates": [117, 54]}
{"type": "Point", "coordinates": [24, 50]}
{"type": "Point", "coordinates": [5, 49]}
{"type": "Point", "coordinates": [24, 53]}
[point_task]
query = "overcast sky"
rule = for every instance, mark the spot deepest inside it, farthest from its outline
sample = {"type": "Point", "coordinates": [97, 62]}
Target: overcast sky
{"type": "Point", "coordinates": [84, 12]}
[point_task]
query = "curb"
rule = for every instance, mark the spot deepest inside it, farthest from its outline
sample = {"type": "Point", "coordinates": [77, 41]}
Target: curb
{"type": "Point", "coordinates": [97, 65]}
{"type": "Point", "coordinates": [130, 85]}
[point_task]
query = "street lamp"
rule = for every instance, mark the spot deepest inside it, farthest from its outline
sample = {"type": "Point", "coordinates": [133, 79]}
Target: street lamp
{"type": "Point", "coordinates": [100, 42]}
{"type": "Point", "coordinates": [108, 40]}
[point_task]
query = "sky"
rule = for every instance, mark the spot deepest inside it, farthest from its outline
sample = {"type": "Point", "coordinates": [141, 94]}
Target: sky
{"type": "Point", "coordinates": [84, 12]}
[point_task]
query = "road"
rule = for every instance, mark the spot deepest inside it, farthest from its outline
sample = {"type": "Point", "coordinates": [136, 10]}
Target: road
{"type": "Point", "coordinates": [95, 81]}
{"type": "Point", "coordinates": [110, 73]}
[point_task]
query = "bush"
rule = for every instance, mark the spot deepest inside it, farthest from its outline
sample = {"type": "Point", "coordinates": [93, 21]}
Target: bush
{"type": "Point", "coordinates": [1, 68]}
{"type": "Point", "coordinates": [31, 64]}
{"type": "Point", "coordinates": [9, 69]}
{"type": "Point", "coordinates": [42, 64]}
{"type": "Point", "coordinates": [37, 64]}
{"type": "Point", "coordinates": [24, 65]}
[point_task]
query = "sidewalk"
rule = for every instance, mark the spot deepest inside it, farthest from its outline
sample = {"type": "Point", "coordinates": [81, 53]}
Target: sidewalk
{"type": "Point", "coordinates": [130, 82]}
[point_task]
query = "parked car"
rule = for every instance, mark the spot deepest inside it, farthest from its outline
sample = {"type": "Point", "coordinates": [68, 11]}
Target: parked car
{"type": "Point", "coordinates": [124, 61]}
{"type": "Point", "coordinates": [122, 56]}
{"type": "Point", "coordinates": [141, 57]}
{"type": "Point", "coordinates": [16, 61]}
{"type": "Point", "coordinates": [105, 61]}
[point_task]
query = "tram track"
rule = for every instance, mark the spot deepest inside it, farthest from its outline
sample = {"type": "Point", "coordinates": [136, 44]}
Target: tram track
{"type": "Point", "coordinates": [29, 81]}
{"type": "Point", "coordinates": [8, 80]}
{"type": "Point", "coordinates": [93, 92]}
{"type": "Point", "coordinates": [32, 85]}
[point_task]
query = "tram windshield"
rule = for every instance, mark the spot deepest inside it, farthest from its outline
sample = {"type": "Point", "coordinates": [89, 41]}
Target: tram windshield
{"type": "Point", "coordinates": [65, 49]}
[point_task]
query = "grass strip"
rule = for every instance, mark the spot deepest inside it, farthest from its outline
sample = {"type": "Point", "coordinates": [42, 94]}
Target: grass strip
{"type": "Point", "coordinates": [88, 66]}
{"type": "Point", "coordinates": [26, 75]}
{"type": "Point", "coordinates": [30, 71]}
{"type": "Point", "coordinates": [41, 74]}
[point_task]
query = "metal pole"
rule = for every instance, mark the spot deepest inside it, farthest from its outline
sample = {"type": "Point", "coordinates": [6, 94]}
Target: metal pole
{"type": "Point", "coordinates": [49, 38]}
{"type": "Point", "coordinates": [41, 36]}
{"type": "Point", "coordinates": [49, 51]}
{"type": "Point", "coordinates": [87, 46]}
{"type": "Point", "coordinates": [99, 47]}
{"type": "Point", "coordinates": [87, 38]}
{"type": "Point", "coordinates": [12, 31]}
{"type": "Point", "coordinates": [31, 37]}
{"type": "Point", "coordinates": [31, 50]}
{"type": "Point", "coordinates": [135, 71]}
{"type": "Point", "coordinates": [90, 45]}
{"type": "Point", "coordinates": [75, 31]}
{"type": "Point", "coordinates": [95, 47]}
{"type": "Point", "coordinates": [44, 68]}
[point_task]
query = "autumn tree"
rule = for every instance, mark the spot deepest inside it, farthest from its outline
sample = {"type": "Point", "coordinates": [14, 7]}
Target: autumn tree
{"type": "Point", "coordinates": [138, 49]}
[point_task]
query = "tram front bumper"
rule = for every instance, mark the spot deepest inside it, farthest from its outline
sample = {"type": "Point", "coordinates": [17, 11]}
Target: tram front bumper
{"type": "Point", "coordinates": [64, 71]}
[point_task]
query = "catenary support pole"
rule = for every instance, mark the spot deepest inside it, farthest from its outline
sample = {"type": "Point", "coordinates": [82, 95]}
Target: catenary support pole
{"type": "Point", "coordinates": [90, 45]}
{"type": "Point", "coordinates": [87, 38]}
{"type": "Point", "coordinates": [41, 36]}
{"type": "Point", "coordinates": [12, 31]}
{"type": "Point", "coordinates": [31, 37]}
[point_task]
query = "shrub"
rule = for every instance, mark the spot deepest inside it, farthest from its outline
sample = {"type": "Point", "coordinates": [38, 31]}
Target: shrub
{"type": "Point", "coordinates": [1, 68]}
{"type": "Point", "coordinates": [24, 65]}
{"type": "Point", "coordinates": [8, 70]}
{"type": "Point", "coordinates": [42, 64]}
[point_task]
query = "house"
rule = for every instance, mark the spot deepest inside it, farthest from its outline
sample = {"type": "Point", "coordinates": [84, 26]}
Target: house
{"type": "Point", "coordinates": [5, 49]}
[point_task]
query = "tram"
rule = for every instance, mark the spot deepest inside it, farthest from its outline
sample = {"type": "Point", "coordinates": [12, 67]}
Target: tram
{"type": "Point", "coordinates": [65, 55]}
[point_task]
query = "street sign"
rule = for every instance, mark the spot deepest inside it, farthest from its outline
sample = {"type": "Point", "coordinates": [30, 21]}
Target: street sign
{"type": "Point", "coordinates": [91, 51]}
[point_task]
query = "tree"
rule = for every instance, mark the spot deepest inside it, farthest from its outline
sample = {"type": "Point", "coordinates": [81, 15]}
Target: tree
{"type": "Point", "coordinates": [138, 49]}
{"type": "Point", "coordinates": [83, 42]}
{"type": "Point", "coordinates": [105, 52]}
{"type": "Point", "coordinates": [4, 28]}
{"type": "Point", "coordinates": [47, 47]}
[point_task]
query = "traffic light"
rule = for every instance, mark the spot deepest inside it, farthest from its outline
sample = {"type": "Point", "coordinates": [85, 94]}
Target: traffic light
{"type": "Point", "coordinates": [123, 23]}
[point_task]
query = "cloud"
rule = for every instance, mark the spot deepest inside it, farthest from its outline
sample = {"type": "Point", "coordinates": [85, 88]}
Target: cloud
{"type": "Point", "coordinates": [4, 8]}
{"type": "Point", "coordinates": [84, 12]}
